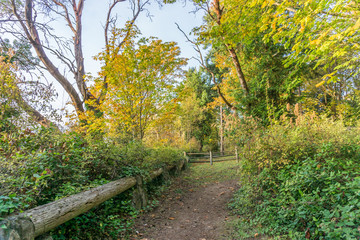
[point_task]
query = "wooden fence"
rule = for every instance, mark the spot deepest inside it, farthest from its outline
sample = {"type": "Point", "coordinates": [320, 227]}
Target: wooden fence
{"type": "Point", "coordinates": [38, 221]}
{"type": "Point", "coordinates": [211, 157]}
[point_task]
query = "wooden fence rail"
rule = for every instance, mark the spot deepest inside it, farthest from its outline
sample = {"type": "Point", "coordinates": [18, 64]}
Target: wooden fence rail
{"type": "Point", "coordinates": [39, 220]}
{"type": "Point", "coordinates": [212, 157]}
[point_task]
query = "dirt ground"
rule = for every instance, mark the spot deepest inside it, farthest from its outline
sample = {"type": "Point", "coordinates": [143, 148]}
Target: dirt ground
{"type": "Point", "coordinates": [194, 208]}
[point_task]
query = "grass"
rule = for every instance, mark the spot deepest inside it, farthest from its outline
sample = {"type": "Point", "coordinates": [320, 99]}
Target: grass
{"type": "Point", "coordinates": [203, 173]}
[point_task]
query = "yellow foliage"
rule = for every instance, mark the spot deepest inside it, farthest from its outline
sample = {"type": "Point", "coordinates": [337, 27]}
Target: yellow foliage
{"type": "Point", "coordinates": [8, 79]}
{"type": "Point", "coordinates": [139, 82]}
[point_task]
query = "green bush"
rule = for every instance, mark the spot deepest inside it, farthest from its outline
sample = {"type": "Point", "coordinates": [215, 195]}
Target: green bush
{"type": "Point", "coordinates": [112, 219]}
{"type": "Point", "coordinates": [303, 181]}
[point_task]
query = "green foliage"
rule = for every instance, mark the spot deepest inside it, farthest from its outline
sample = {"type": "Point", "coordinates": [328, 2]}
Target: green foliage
{"type": "Point", "coordinates": [163, 155]}
{"type": "Point", "coordinates": [288, 51]}
{"type": "Point", "coordinates": [272, 85]}
{"type": "Point", "coordinates": [112, 219]}
{"type": "Point", "coordinates": [22, 53]}
{"type": "Point", "coordinates": [302, 180]}
{"type": "Point", "coordinates": [8, 204]}
{"type": "Point", "coordinates": [197, 117]}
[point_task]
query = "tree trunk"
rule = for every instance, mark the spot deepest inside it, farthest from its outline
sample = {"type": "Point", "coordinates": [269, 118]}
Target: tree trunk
{"type": "Point", "coordinates": [221, 131]}
{"type": "Point", "coordinates": [34, 38]}
{"type": "Point", "coordinates": [201, 146]}
{"type": "Point", "coordinates": [231, 50]}
{"type": "Point", "coordinates": [239, 71]}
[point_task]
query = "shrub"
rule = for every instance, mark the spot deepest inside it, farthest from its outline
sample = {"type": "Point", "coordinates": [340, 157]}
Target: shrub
{"type": "Point", "coordinates": [302, 180]}
{"type": "Point", "coordinates": [42, 165]}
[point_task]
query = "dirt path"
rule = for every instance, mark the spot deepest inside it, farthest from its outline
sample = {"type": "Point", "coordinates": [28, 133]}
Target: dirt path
{"type": "Point", "coordinates": [194, 208]}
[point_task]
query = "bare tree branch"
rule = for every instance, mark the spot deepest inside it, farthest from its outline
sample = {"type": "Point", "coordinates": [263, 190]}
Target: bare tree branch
{"type": "Point", "coordinates": [68, 62]}
{"type": "Point", "coordinates": [32, 112]}
{"type": "Point", "coordinates": [137, 8]}
{"type": "Point", "coordinates": [110, 20]}
{"type": "Point", "coordinates": [65, 15]}
{"type": "Point", "coordinates": [79, 57]}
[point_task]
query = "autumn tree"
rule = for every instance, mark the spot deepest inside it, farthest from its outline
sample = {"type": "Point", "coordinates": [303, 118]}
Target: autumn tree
{"type": "Point", "coordinates": [324, 32]}
{"type": "Point", "coordinates": [324, 36]}
{"type": "Point", "coordinates": [140, 81]}
{"type": "Point", "coordinates": [280, 48]}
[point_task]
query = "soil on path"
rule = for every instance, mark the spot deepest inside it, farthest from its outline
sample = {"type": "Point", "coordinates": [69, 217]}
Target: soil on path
{"type": "Point", "coordinates": [194, 208]}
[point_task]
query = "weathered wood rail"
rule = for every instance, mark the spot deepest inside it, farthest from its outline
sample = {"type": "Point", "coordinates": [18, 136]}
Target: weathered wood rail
{"type": "Point", "coordinates": [212, 157]}
{"type": "Point", "coordinates": [38, 221]}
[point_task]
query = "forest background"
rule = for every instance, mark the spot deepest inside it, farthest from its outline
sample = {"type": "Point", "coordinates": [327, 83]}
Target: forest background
{"type": "Point", "coordinates": [277, 79]}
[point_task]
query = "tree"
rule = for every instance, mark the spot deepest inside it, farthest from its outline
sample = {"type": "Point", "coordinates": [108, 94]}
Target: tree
{"type": "Point", "coordinates": [216, 32]}
{"type": "Point", "coordinates": [31, 20]}
{"type": "Point", "coordinates": [254, 78]}
{"type": "Point", "coordinates": [324, 32]}
{"type": "Point", "coordinates": [140, 81]}
{"type": "Point", "coordinates": [197, 117]}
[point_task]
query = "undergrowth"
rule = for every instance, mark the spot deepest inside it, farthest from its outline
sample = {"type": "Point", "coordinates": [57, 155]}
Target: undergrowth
{"type": "Point", "coordinates": [300, 181]}
{"type": "Point", "coordinates": [41, 165]}
{"type": "Point", "coordinates": [113, 219]}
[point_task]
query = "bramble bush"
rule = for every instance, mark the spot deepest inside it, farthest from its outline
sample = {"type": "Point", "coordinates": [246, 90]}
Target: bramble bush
{"type": "Point", "coordinates": [301, 180]}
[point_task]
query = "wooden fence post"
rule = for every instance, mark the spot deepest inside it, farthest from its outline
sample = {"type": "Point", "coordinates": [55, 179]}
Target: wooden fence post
{"type": "Point", "coordinates": [237, 154]}
{"type": "Point", "coordinates": [166, 174]}
{"type": "Point", "coordinates": [139, 194]}
{"type": "Point", "coordinates": [211, 158]}
{"type": "Point", "coordinates": [17, 228]}
{"type": "Point", "coordinates": [186, 157]}
{"type": "Point", "coordinates": [180, 166]}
